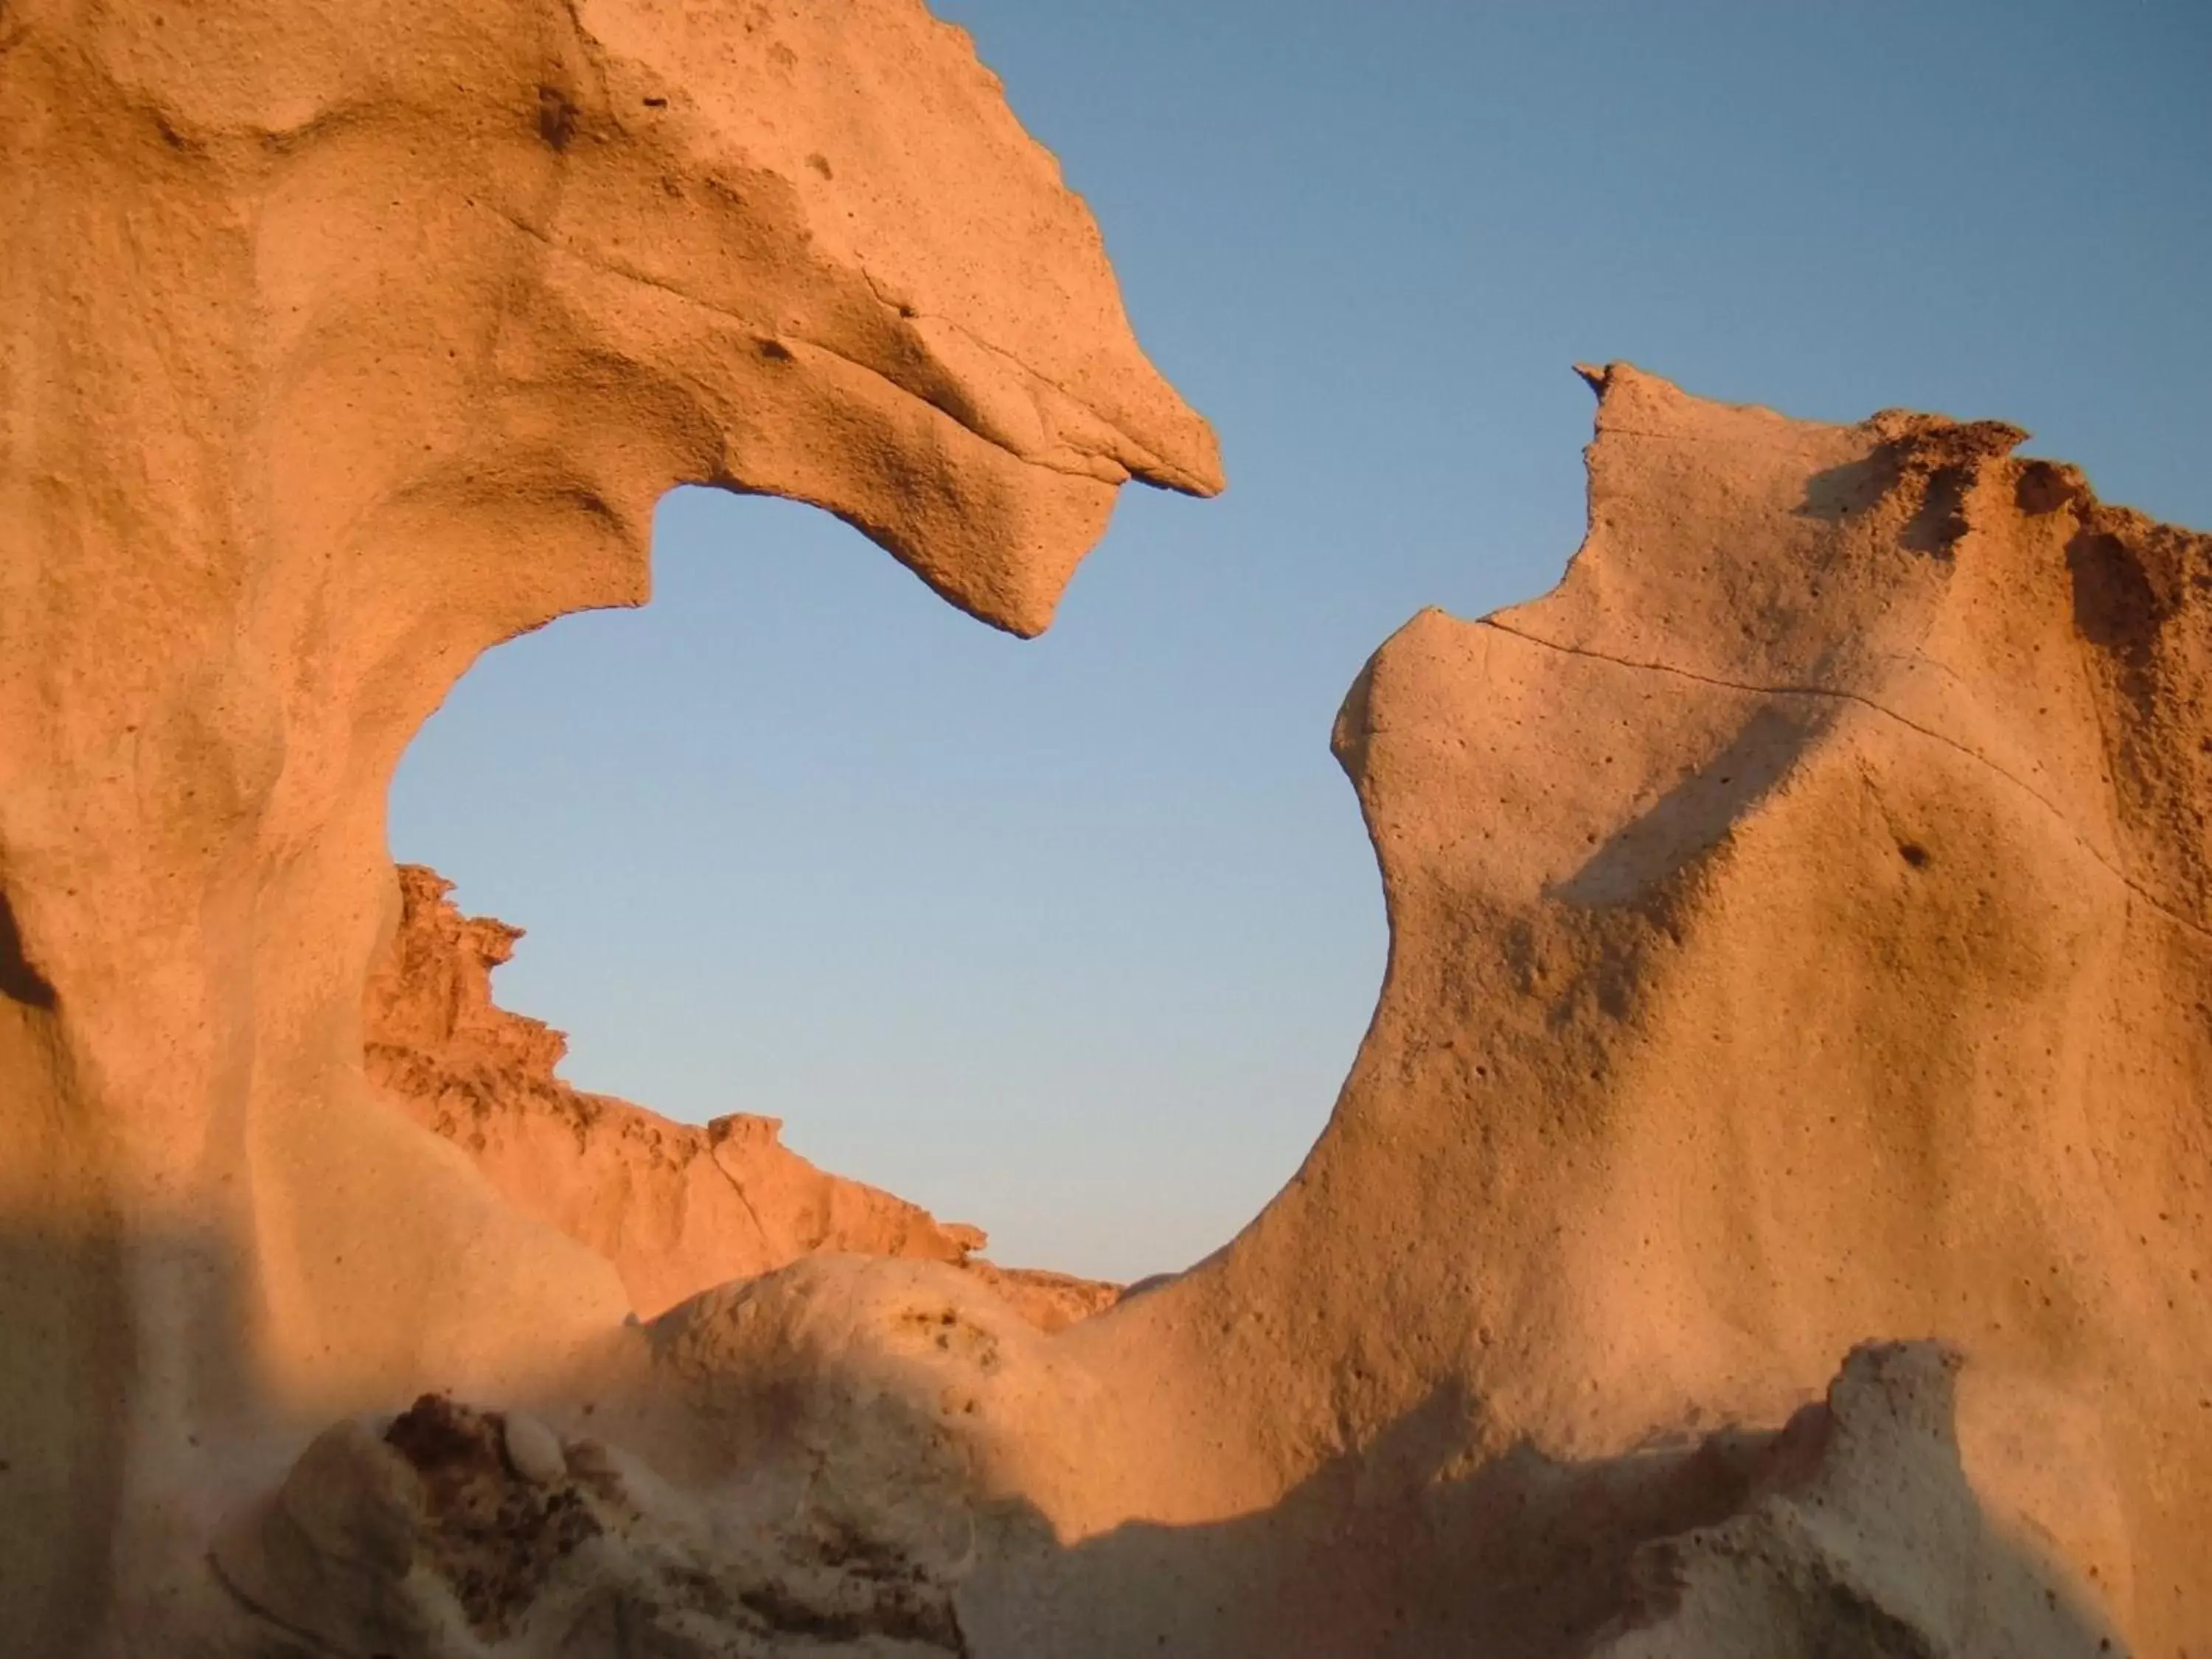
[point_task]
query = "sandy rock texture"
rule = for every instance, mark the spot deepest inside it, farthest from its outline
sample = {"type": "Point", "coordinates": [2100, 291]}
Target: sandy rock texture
{"type": "Point", "coordinates": [1810, 967]}
{"type": "Point", "coordinates": [1800, 935]}
{"type": "Point", "coordinates": [1767, 1214]}
{"type": "Point", "coordinates": [338, 343]}
{"type": "Point", "coordinates": [678, 1208]}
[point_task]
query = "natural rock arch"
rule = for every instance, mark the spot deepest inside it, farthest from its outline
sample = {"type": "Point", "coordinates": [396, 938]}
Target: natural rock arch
{"type": "Point", "coordinates": [1799, 926]}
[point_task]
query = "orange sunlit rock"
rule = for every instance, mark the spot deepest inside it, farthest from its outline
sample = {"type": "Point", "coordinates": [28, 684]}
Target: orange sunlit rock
{"type": "Point", "coordinates": [1767, 1213]}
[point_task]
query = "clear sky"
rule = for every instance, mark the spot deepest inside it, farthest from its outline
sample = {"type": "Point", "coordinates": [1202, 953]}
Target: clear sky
{"type": "Point", "coordinates": [1075, 938]}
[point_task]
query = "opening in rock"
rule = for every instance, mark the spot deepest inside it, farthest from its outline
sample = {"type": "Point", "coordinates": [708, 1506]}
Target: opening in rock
{"type": "Point", "coordinates": [986, 923]}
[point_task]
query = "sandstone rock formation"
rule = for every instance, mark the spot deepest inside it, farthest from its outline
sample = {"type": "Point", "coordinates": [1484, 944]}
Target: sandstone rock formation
{"type": "Point", "coordinates": [338, 343]}
{"type": "Point", "coordinates": [1801, 938]}
{"type": "Point", "coordinates": [1799, 934]}
{"type": "Point", "coordinates": [678, 1208]}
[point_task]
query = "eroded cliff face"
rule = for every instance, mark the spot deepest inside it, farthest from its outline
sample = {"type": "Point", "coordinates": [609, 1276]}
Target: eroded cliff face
{"type": "Point", "coordinates": [678, 1208]}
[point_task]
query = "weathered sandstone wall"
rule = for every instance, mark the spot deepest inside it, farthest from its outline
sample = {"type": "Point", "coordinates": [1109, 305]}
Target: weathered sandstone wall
{"type": "Point", "coordinates": [1801, 934]}
{"type": "Point", "coordinates": [338, 343]}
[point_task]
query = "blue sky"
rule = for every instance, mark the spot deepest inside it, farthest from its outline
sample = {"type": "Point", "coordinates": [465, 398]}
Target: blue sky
{"type": "Point", "coordinates": [1075, 938]}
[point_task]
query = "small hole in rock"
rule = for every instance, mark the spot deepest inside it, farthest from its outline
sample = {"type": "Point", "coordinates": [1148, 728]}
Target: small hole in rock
{"type": "Point", "coordinates": [556, 117]}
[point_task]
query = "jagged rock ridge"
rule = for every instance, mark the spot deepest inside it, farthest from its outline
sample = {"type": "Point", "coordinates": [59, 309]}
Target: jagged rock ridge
{"type": "Point", "coordinates": [678, 1208]}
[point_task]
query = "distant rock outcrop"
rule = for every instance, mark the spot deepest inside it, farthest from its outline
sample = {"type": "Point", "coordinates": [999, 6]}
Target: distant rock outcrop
{"type": "Point", "coordinates": [677, 1207]}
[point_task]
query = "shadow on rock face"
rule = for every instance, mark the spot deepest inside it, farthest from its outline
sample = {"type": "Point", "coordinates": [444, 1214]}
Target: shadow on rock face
{"type": "Point", "coordinates": [454, 1530]}
{"type": "Point", "coordinates": [1923, 469]}
{"type": "Point", "coordinates": [19, 980]}
{"type": "Point", "coordinates": [1852, 1532]}
{"type": "Point", "coordinates": [70, 1511]}
{"type": "Point", "coordinates": [2116, 606]}
{"type": "Point", "coordinates": [60, 1459]}
{"type": "Point", "coordinates": [1701, 811]}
